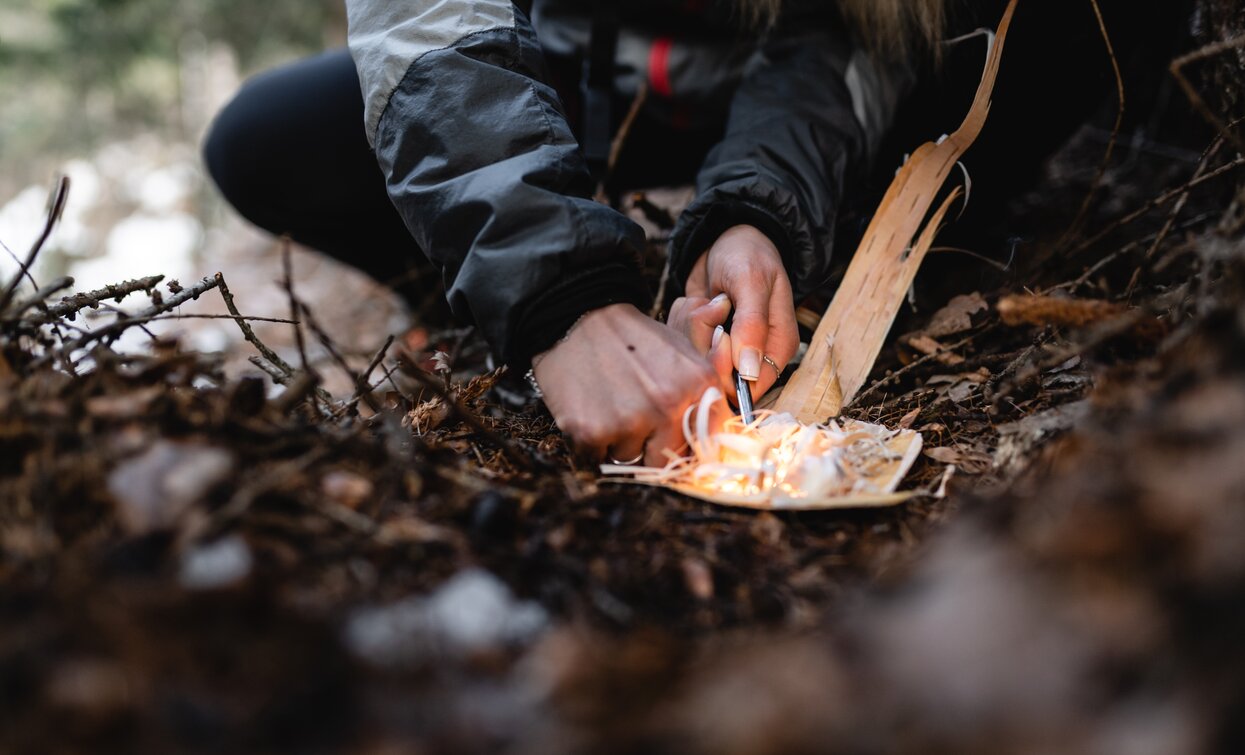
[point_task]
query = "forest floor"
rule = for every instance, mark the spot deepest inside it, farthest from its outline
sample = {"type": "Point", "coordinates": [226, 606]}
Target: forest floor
{"type": "Point", "coordinates": [397, 552]}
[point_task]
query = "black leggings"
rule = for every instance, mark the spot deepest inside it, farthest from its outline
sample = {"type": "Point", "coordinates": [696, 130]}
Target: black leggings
{"type": "Point", "coordinates": [291, 155]}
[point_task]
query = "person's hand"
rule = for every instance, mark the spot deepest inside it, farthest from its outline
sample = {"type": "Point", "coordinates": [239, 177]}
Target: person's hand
{"type": "Point", "coordinates": [619, 383]}
{"type": "Point", "coordinates": [744, 265]}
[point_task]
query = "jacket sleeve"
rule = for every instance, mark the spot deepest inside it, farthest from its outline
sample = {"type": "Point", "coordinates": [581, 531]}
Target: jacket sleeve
{"type": "Point", "coordinates": [807, 116]}
{"type": "Point", "coordinates": [482, 166]}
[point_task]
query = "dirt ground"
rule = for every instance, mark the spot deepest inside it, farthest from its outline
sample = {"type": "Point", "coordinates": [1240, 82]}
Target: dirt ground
{"type": "Point", "coordinates": [396, 552]}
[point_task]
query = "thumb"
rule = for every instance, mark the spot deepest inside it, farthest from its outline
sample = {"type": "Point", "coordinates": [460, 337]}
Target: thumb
{"type": "Point", "coordinates": [702, 321]}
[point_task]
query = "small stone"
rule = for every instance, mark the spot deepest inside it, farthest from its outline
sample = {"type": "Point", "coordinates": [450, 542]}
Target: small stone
{"type": "Point", "coordinates": [215, 565]}
{"type": "Point", "coordinates": [347, 488]}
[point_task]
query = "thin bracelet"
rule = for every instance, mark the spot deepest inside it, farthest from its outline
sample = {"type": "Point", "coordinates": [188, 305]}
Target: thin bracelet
{"type": "Point", "coordinates": [530, 375]}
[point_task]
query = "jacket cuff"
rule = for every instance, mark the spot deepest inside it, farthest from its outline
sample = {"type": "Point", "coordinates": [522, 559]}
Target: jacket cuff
{"type": "Point", "coordinates": [551, 315]}
{"type": "Point", "coordinates": [727, 206]}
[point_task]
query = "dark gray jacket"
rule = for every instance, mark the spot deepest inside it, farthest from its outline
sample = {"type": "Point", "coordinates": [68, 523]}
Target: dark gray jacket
{"type": "Point", "coordinates": [482, 165]}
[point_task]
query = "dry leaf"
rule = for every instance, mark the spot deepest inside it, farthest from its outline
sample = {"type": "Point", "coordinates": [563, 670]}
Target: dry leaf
{"type": "Point", "coordinates": [927, 345]}
{"type": "Point", "coordinates": [956, 317]}
{"type": "Point", "coordinates": [965, 459]}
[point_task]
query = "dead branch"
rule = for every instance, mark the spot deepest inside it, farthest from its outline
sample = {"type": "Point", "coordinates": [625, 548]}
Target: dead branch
{"type": "Point", "coordinates": [71, 305]}
{"type": "Point", "coordinates": [287, 267]}
{"type": "Point", "coordinates": [39, 297]}
{"type": "Point", "coordinates": [335, 354]}
{"type": "Point", "coordinates": [1050, 310]}
{"type": "Point", "coordinates": [248, 333]}
{"type": "Point", "coordinates": [278, 377]}
{"type": "Point", "coordinates": [1096, 335]}
{"type": "Point", "coordinates": [364, 387]}
{"type": "Point", "coordinates": [894, 376]}
{"type": "Point", "coordinates": [124, 322]}
{"type": "Point", "coordinates": [1158, 201]}
{"type": "Point", "coordinates": [522, 456]}
{"type": "Point", "coordinates": [1195, 99]}
{"type": "Point", "coordinates": [1096, 184]}
{"type": "Point", "coordinates": [56, 205]}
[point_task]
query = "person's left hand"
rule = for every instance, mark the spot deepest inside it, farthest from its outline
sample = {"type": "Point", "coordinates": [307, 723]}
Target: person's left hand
{"type": "Point", "coordinates": [744, 265]}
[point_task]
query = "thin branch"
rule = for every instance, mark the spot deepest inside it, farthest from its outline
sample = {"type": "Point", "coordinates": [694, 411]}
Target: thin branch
{"type": "Point", "coordinates": [235, 318]}
{"type": "Point", "coordinates": [1199, 104]}
{"type": "Point", "coordinates": [620, 138]}
{"type": "Point", "coordinates": [75, 303]}
{"type": "Point", "coordinates": [249, 334]}
{"type": "Point", "coordinates": [37, 299]}
{"type": "Point", "coordinates": [364, 387]}
{"type": "Point", "coordinates": [518, 454]}
{"type": "Point", "coordinates": [1084, 277]}
{"type": "Point", "coordinates": [287, 267]}
{"type": "Point", "coordinates": [335, 355]}
{"type": "Point", "coordinates": [119, 326]}
{"type": "Point", "coordinates": [1158, 201]}
{"type": "Point", "coordinates": [1095, 336]}
{"type": "Point", "coordinates": [56, 205]}
{"type": "Point", "coordinates": [18, 260]}
{"type": "Point", "coordinates": [894, 376]}
{"type": "Point", "coordinates": [1096, 184]}
{"type": "Point", "coordinates": [278, 377]}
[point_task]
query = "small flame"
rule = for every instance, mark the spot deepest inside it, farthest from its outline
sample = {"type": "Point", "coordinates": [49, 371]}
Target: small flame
{"type": "Point", "coordinates": [776, 460]}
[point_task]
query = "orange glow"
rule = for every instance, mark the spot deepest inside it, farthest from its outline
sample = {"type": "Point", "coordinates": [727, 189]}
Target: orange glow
{"type": "Point", "coordinates": [777, 461]}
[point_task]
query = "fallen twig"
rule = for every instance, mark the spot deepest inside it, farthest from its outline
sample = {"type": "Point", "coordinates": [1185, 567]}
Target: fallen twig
{"type": "Point", "coordinates": [74, 303]}
{"type": "Point", "coordinates": [1095, 336]}
{"type": "Point", "coordinates": [364, 387]}
{"type": "Point", "coordinates": [249, 334]}
{"type": "Point", "coordinates": [894, 376]}
{"type": "Point", "coordinates": [123, 323]}
{"type": "Point", "coordinates": [287, 267]}
{"type": "Point", "coordinates": [39, 297]}
{"type": "Point", "coordinates": [522, 456]}
{"type": "Point", "coordinates": [335, 354]}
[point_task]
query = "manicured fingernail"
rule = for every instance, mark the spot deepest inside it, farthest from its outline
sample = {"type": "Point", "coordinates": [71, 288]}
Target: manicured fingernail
{"type": "Point", "coordinates": [719, 299]}
{"type": "Point", "coordinates": [717, 336]}
{"type": "Point", "coordinates": [749, 364]}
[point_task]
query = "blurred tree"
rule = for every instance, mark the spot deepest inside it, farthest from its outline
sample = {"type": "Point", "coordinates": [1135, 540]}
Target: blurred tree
{"type": "Point", "coordinates": [74, 73]}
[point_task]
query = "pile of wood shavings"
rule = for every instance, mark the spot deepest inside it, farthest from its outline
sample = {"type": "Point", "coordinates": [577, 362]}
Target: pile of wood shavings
{"type": "Point", "coordinates": [777, 461]}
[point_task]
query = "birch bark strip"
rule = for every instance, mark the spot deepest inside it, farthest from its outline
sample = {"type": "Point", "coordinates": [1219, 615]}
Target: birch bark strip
{"type": "Point", "coordinates": [854, 328]}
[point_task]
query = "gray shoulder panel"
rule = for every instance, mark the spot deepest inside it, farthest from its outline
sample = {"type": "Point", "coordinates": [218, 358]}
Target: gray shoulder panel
{"type": "Point", "coordinates": [387, 36]}
{"type": "Point", "coordinates": [877, 87]}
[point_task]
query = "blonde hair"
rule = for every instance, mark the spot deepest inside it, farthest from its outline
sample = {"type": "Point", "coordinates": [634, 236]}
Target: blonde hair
{"type": "Point", "coordinates": [891, 27]}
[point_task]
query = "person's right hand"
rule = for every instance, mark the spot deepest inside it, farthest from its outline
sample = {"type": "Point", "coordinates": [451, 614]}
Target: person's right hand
{"type": "Point", "coordinates": [746, 266]}
{"type": "Point", "coordinates": [619, 383]}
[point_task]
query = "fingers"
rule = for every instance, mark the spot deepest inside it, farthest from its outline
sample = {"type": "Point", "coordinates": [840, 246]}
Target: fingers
{"type": "Point", "coordinates": [750, 329]}
{"type": "Point", "coordinates": [722, 361]}
{"type": "Point", "coordinates": [782, 340]}
{"type": "Point", "coordinates": [698, 318]}
{"type": "Point", "coordinates": [698, 279]}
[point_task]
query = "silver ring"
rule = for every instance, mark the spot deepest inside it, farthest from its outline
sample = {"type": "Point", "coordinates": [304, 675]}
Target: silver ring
{"type": "Point", "coordinates": [766, 358]}
{"type": "Point", "coordinates": [632, 462]}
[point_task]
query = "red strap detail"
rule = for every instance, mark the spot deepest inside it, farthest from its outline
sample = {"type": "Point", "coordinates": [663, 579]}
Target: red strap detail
{"type": "Point", "coordinates": [659, 67]}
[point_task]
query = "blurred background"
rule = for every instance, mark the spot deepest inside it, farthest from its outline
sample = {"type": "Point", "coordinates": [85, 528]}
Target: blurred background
{"type": "Point", "coordinates": [118, 94]}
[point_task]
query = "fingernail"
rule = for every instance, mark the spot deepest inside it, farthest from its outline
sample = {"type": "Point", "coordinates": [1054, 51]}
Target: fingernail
{"type": "Point", "coordinates": [717, 336]}
{"type": "Point", "coordinates": [749, 364]}
{"type": "Point", "coordinates": [719, 299]}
